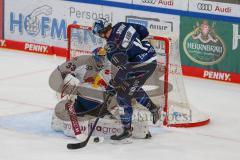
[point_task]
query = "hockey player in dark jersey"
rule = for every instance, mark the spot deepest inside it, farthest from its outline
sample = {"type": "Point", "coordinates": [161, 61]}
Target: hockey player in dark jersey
{"type": "Point", "coordinates": [135, 60]}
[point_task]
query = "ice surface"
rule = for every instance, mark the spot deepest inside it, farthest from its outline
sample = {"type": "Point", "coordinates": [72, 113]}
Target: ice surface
{"type": "Point", "coordinates": [26, 104]}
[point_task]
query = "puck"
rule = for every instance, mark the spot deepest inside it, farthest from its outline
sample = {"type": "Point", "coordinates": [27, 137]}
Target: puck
{"type": "Point", "coordinates": [96, 139]}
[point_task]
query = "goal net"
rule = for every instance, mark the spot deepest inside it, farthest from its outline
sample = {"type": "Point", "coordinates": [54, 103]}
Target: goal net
{"type": "Point", "coordinates": [168, 92]}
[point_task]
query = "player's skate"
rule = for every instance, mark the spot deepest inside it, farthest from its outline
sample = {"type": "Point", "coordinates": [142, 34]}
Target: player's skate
{"type": "Point", "coordinates": [123, 138]}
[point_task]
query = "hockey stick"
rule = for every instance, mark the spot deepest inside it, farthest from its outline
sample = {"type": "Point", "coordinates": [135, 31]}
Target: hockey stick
{"type": "Point", "coordinates": [69, 106]}
{"type": "Point", "coordinates": [84, 143]}
{"type": "Point", "coordinates": [72, 114]}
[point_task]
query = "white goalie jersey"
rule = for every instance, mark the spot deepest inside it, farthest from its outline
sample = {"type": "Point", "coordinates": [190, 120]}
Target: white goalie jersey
{"type": "Point", "coordinates": [89, 73]}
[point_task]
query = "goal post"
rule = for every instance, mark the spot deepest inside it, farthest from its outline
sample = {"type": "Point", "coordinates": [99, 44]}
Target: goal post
{"type": "Point", "coordinates": [76, 37]}
{"type": "Point", "coordinates": [178, 112]}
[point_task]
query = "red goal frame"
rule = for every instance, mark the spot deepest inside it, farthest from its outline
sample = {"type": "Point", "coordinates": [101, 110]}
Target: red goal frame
{"type": "Point", "coordinates": [166, 75]}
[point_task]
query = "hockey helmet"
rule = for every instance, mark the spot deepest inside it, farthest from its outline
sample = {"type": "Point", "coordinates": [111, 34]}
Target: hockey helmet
{"type": "Point", "coordinates": [99, 57]}
{"type": "Point", "coordinates": [101, 26]}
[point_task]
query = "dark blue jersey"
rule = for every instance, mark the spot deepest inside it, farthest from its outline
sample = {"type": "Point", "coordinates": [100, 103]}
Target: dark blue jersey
{"type": "Point", "coordinates": [126, 38]}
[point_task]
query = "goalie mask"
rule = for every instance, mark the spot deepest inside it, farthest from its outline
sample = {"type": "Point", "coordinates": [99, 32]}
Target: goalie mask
{"type": "Point", "coordinates": [99, 57]}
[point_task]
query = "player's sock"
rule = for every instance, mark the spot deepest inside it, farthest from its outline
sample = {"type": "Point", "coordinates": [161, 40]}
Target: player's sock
{"type": "Point", "coordinates": [152, 108]}
{"type": "Point", "coordinates": [144, 100]}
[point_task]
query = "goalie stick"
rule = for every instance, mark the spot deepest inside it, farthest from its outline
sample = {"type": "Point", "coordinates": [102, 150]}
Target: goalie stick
{"type": "Point", "coordinates": [84, 143]}
{"type": "Point", "coordinates": [69, 106]}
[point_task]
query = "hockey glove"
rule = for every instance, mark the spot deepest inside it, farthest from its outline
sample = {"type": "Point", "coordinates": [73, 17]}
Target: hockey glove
{"type": "Point", "coordinates": [110, 91]}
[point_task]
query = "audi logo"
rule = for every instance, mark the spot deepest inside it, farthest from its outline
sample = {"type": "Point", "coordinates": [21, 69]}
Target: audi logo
{"type": "Point", "coordinates": [204, 7]}
{"type": "Point", "coordinates": [149, 1]}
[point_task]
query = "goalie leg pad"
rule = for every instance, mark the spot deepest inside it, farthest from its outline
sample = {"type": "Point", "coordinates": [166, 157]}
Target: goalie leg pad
{"type": "Point", "coordinates": [57, 123]}
{"type": "Point", "coordinates": [106, 126]}
{"type": "Point", "coordinates": [140, 130]}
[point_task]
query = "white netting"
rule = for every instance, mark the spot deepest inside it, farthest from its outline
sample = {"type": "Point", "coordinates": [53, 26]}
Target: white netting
{"type": "Point", "coordinates": [178, 107]}
{"type": "Point", "coordinates": [82, 41]}
{"type": "Point", "coordinates": [179, 111]}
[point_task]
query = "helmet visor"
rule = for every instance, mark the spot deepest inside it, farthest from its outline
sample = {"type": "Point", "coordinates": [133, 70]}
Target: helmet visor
{"type": "Point", "coordinates": [97, 29]}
